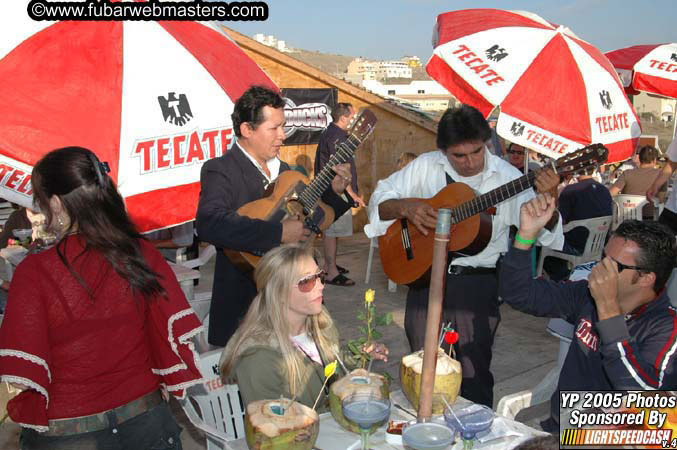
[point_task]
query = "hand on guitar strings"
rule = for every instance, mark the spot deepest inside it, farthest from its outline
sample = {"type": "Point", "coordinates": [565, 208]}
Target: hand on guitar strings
{"type": "Point", "coordinates": [293, 230]}
{"type": "Point", "coordinates": [547, 181]}
{"type": "Point", "coordinates": [342, 179]}
{"type": "Point", "coordinates": [534, 214]}
{"type": "Point", "coordinates": [421, 214]}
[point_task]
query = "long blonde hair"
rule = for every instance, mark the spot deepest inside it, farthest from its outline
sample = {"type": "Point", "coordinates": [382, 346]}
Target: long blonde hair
{"type": "Point", "coordinates": [275, 276]}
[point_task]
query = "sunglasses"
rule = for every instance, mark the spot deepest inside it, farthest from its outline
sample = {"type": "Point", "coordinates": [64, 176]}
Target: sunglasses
{"type": "Point", "coordinates": [307, 283]}
{"type": "Point", "coordinates": [622, 267]}
{"type": "Point", "coordinates": [516, 152]}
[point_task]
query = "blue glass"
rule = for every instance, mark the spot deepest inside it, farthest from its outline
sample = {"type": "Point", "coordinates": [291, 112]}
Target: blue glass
{"type": "Point", "coordinates": [427, 436]}
{"type": "Point", "coordinates": [365, 410]}
{"type": "Point", "coordinates": [468, 421]}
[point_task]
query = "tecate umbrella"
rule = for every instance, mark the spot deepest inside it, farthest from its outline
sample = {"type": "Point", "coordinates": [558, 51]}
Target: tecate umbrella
{"type": "Point", "coordinates": [556, 92]}
{"type": "Point", "coordinates": [647, 68]}
{"type": "Point", "coordinates": [153, 99]}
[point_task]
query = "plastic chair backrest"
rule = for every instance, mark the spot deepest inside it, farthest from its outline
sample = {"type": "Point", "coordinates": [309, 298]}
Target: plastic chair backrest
{"type": "Point", "coordinates": [205, 254]}
{"type": "Point", "coordinates": [598, 227]}
{"type": "Point", "coordinates": [220, 406]}
{"type": "Point", "coordinates": [628, 207]}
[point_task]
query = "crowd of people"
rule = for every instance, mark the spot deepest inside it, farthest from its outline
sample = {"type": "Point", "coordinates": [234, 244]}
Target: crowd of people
{"type": "Point", "coordinates": [110, 329]}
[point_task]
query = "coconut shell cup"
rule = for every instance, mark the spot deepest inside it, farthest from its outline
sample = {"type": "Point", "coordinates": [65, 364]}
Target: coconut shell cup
{"type": "Point", "coordinates": [357, 381]}
{"type": "Point", "coordinates": [276, 424]}
{"type": "Point", "coordinates": [448, 378]}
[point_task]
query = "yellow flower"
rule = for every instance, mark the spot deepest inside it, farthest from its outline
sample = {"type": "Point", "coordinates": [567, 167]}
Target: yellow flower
{"type": "Point", "coordinates": [329, 369]}
{"type": "Point", "coordinates": [369, 295]}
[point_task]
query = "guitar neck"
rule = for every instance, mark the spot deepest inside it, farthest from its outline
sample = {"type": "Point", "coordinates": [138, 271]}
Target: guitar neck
{"type": "Point", "coordinates": [344, 153]}
{"type": "Point", "coordinates": [492, 198]}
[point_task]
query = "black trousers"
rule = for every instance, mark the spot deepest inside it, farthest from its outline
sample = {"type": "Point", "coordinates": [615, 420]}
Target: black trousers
{"type": "Point", "coordinates": [471, 304]}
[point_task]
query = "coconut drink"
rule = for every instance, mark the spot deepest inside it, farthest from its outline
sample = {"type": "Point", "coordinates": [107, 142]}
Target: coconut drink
{"type": "Point", "coordinates": [359, 381]}
{"type": "Point", "coordinates": [447, 379]}
{"type": "Point", "coordinates": [279, 424]}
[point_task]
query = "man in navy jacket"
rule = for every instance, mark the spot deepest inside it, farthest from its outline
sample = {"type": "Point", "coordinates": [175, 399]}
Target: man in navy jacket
{"type": "Point", "coordinates": [240, 177]}
{"type": "Point", "coordinates": [626, 329]}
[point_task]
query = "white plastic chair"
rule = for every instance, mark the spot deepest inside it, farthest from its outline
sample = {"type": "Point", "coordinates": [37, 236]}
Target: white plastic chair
{"type": "Point", "coordinates": [510, 405]}
{"type": "Point", "coordinates": [630, 207]}
{"type": "Point", "coordinates": [205, 254]}
{"type": "Point", "coordinates": [373, 244]}
{"type": "Point", "coordinates": [218, 410]}
{"type": "Point", "coordinates": [200, 300]}
{"type": "Point", "coordinates": [598, 228]}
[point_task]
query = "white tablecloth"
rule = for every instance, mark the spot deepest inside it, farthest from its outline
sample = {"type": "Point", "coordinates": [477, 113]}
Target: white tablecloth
{"type": "Point", "coordinates": [505, 433]}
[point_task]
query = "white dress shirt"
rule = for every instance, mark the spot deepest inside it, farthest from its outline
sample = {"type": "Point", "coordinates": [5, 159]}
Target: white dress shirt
{"type": "Point", "coordinates": [425, 176]}
{"type": "Point", "coordinates": [273, 165]}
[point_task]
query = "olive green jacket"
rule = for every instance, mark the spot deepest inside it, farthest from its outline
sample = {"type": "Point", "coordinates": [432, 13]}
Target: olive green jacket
{"type": "Point", "coordinates": [260, 375]}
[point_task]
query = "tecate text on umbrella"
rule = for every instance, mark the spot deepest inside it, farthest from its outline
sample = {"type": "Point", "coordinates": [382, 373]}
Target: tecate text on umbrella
{"type": "Point", "coordinates": [181, 149]}
{"type": "Point", "coordinates": [477, 65]}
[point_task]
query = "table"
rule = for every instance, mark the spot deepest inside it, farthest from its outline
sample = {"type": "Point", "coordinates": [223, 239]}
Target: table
{"type": "Point", "coordinates": [505, 433]}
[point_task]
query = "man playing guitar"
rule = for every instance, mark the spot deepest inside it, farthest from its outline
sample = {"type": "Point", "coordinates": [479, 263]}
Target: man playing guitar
{"type": "Point", "coordinates": [471, 293]}
{"type": "Point", "coordinates": [240, 177]}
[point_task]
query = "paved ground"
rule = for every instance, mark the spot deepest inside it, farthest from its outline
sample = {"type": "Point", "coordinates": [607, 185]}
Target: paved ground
{"type": "Point", "coordinates": [523, 352]}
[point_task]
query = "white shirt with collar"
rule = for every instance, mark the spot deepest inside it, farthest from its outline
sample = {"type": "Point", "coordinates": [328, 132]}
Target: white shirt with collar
{"type": "Point", "coordinates": [273, 165]}
{"type": "Point", "coordinates": [425, 176]}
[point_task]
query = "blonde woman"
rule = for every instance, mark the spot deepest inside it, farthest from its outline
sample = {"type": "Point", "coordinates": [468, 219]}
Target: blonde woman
{"type": "Point", "coordinates": [287, 336]}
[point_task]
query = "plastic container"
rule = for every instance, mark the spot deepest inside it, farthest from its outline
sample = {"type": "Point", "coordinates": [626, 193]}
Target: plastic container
{"type": "Point", "coordinates": [394, 432]}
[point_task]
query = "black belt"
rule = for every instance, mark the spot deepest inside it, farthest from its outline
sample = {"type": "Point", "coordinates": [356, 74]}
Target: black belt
{"type": "Point", "coordinates": [466, 270]}
{"type": "Point", "coordinates": [100, 421]}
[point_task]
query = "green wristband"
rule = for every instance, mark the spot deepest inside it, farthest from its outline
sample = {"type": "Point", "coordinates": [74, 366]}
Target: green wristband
{"type": "Point", "coordinates": [521, 240]}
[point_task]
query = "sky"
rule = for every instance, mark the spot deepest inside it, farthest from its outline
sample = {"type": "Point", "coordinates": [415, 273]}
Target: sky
{"type": "Point", "coordinates": [390, 29]}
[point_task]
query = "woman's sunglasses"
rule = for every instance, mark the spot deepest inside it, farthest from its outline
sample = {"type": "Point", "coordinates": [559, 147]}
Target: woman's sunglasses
{"type": "Point", "coordinates": [307, 283]}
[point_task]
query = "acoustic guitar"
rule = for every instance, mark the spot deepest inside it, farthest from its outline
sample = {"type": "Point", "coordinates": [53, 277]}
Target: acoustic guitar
{"type": "Point", "coordinates": [406, 254]}
{"type": "Point", "coordinates": [294, 195]}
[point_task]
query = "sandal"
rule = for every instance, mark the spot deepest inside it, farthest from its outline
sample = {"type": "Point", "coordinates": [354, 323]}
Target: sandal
{"type": "Point", "coordinates": [340, 280]}
{"type": "Point", "coordinates": [342, 269]}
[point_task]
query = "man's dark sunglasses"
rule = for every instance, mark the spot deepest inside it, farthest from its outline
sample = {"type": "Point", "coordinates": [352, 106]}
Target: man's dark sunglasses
{"type": "Point", "coordinates": [622, 267]}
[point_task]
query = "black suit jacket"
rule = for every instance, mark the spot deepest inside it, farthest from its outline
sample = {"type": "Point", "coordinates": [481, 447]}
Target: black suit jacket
{"type": "Point", "coordinates": [227, 183]}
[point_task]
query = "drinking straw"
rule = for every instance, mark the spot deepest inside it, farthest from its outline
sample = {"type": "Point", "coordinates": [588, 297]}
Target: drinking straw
{"type": "Point", "coordinates": [338, 358]}
{"type": "Point", "coordinates": [451, 410]}
{"type": "Point", "coordinates": [371, 360]}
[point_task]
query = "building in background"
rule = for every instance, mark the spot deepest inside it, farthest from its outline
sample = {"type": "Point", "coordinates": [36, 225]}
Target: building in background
{"type": "Point", "coordinates": [653, 107]}
{"type": "Point", "coordinates": [379, 70]}
{"type": "Point", "coordinates": [412, 61]}
{"type": "Point", "coordinates": [426, 95]}
{"type": "Point", "coordinates": [272, 41]}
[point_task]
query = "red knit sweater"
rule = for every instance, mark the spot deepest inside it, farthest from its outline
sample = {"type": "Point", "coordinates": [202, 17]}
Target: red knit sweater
{"type": "Point", "coordinates": [82, 355]}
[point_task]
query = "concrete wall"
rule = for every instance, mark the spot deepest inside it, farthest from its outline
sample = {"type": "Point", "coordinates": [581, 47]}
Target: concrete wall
{"type": "Point", "coordinates": [397, 130]}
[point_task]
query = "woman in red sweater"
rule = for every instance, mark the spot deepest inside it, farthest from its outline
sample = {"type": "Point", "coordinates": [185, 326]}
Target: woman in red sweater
{"type": "Point", "coordinates": [96, 324]}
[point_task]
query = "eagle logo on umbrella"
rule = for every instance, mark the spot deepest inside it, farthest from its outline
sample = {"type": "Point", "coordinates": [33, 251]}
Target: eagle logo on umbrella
{"type": "Point", "coordinates": [175, 110]}
{"type": "Point", "coordinates": [517, 128]}
{"type": "Point", "coordinates": [496, 53]}
{"type": "Point", "coordinates": [605, 98]}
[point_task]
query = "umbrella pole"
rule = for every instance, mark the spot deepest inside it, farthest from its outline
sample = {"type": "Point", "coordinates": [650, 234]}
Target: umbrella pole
{"type": "Point", "coordinates": [436, 294]}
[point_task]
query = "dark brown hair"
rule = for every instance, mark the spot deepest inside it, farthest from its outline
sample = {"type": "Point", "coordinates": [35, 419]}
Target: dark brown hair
{"type": "Point", "coordinates": [96, 210]}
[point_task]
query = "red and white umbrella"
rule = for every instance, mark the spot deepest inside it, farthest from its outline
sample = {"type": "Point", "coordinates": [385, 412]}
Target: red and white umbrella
{"type": "Point", "coordinates": [647, 68]}
{"type": "Point", "coordinates": [556, 92]}
{"type": "Point", "coordinates": [153, 99]}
